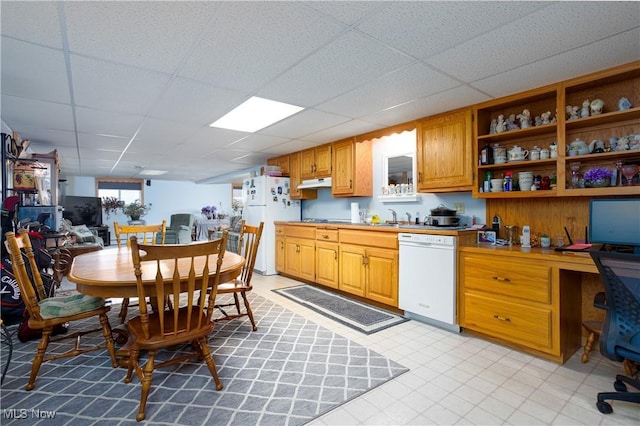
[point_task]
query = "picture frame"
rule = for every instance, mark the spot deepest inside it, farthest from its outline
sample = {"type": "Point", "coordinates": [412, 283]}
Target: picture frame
{"type": "Point", "coordinates": [487, 237]}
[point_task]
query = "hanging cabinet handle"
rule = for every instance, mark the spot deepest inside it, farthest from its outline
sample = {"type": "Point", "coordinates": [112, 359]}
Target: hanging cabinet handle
{"type": "Point", "coordinates": [506, 280]}
{"type": "Point", "coordinates": [505, 319]}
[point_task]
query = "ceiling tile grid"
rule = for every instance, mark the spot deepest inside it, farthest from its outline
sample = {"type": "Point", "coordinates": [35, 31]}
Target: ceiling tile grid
{"type": "Point", "coordinates": [158, 73]}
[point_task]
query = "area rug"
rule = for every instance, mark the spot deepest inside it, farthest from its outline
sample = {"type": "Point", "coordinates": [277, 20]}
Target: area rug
{"type": "Point", "coordinates": [288, 372]}
{"type": "Point", "coordinates": [359, 316]}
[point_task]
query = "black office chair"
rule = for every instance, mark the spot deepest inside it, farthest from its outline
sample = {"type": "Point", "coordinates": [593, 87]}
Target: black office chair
{"type": "Point", "coordinates": [620, 336]}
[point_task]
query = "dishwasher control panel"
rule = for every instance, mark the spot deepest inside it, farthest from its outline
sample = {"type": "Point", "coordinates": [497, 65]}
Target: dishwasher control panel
{"type": "Point", "coordinates": [427, 239]}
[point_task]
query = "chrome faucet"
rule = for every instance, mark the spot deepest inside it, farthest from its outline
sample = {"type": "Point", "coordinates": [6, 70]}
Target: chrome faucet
{"type": "Point", "coordinates": [408, 217]}
{"type": "Point", "coordinates": [395, 216]}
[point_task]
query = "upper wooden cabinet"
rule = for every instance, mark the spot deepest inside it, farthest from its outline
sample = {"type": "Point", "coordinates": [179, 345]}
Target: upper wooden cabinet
{"type": "Point", "coordinates": [282, 162]}
{"type": "Point", "coordinates": [315, 162]}
{"type": "Point", "coordinates": [295, 180]}
{"type": "Point", "coordinates": [608, 85]}
{"type": "Point", "coordinates": [352, 169]}
{"type": "Point", "coordinates": [444, 152]}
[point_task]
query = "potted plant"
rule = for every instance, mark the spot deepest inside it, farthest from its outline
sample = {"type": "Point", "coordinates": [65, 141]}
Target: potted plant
{"type": "Point", "coordinates": [136, 210]}
{"type": "Point", "coordinates": [209, 212]}
{"type": "Point", "coordinates": [597, 177]}
{"type": "Point", "coordinates": [111, 204]}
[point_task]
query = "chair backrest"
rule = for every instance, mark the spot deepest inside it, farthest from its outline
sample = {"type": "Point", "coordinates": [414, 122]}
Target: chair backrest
{"type": "Point", "coordinates": [28, 277]}
{"type": "Point", "coordinates": [182, 275]}
{"type": "Point", "coordinates": [620, 274]}
{"type": "Point", "coordinates": [179, 219]}
{"type": "Point", "coordinates": [248, 244]}
{"type": "Point", "coordinates": [146, 232]}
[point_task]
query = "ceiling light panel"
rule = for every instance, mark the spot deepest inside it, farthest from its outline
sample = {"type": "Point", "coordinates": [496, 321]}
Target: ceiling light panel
{"type": "Point", "coordinates": [255, 114]}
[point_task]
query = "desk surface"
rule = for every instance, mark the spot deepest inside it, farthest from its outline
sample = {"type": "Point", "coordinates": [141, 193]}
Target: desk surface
{"type": "Point", "coordinates": [109, 273]}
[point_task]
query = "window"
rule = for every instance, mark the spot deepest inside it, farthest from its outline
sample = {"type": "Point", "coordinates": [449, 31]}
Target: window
{"type": "Point", "coordinates": [127, 190]}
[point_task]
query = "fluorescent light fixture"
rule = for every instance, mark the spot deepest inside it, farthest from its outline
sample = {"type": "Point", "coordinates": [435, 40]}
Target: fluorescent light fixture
{"type": "Point", "coordinates": [255, 114]}
{"type": "Point", "coordinates": [150, 172]}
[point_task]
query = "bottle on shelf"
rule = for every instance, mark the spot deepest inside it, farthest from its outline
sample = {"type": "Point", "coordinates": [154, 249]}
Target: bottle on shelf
{"type": "Point", "coordinates": [486, 155]}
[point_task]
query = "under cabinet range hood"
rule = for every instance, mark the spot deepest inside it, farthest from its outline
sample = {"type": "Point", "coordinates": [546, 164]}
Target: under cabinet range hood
{"type": "Point", "coordinates": [315, 183]}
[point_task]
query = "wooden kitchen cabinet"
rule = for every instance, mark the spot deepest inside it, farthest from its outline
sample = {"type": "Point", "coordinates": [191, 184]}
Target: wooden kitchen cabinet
{"type": "Point", "coordinates": [299, 248]}
{"type": "Point", "coordinates": [608, 85]}
{"type": "Point", "coordinates": [369, 265]}
{"type": "Point", "coordinates": [282, 162]}
{"type": "Point", "coordinates": [352, 169]}
{"type": "Point", "coordinates": [315, 162]}
{"type": "Point", "coordinates": [444, 152]}
{"type": "Point", "coordinates": [280, 249]}
{"type": "Point", "coordinates": [327, 257]}
{"type": "Point", "coordinates": [510, 299]}
{"type": "Point", "coordinates": [295, 180]}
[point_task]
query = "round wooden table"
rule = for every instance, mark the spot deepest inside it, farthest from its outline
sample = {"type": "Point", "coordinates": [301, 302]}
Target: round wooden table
{"type": "Point", "coordinates": [109, 272]}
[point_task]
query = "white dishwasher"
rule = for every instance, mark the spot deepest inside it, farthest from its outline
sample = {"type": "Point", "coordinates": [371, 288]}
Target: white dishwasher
{"type": "Point", "coordinates": [427, 272]}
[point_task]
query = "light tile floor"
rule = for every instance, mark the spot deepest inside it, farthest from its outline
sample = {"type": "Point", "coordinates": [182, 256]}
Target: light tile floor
{"type": "Point", "coordinates": [459, 379]}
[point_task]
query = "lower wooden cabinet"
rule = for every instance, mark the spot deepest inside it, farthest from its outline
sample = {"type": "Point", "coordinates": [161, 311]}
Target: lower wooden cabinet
{"type": "Point", "coordinates": [300, 258]}
{"type": "Point", "coordinates": [327, 264]}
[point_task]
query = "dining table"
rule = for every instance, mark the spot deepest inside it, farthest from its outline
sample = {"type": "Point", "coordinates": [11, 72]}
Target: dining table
{"type": "Point", "coordinates": [109, 273]}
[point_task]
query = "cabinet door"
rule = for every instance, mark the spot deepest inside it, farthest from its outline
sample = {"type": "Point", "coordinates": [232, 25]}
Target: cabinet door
{"type": "Point", "coordinates": [292, 256]}
{"type": "Point", "coordinates": [282, 161]}
{"type": "Point", "coordinates": [307, 253]}
{"type": "Point", "coordinates": [295, 180]}
{"type": "Point", "coordinates": [327, 264]}
{"type": "Point", "coordinates": [382, 276]}
{"type": "Point", "coordinates": [352, 269]}
{"type": "Point", "coordinates": [343, 170]}
{"type": "Point", "coordinates": [322, 160]}
{"type": "Point", "coordinates": [307, 164]}
{"type": "Point", "coordinates": [280, 254]}
{"type": "Point", "coordinates": [444, 152]}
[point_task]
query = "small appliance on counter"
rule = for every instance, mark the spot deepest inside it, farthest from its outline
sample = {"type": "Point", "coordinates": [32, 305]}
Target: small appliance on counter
{"type": "Point", "coordinates": [443, 216]}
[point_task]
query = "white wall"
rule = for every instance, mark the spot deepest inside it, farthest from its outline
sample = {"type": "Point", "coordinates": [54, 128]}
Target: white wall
{"type": "Point", "coordinates": [166, 197]}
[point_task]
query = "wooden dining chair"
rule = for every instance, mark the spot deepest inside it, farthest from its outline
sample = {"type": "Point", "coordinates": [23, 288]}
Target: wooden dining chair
{"type": "Point", "coordinates": [149, 234]}
{"type": "Point", "coordinates": [190, 318]}
{"type": "Point", "coordinates": [47, 312]}
{"type": "Point", "coordinates": [248, 243]}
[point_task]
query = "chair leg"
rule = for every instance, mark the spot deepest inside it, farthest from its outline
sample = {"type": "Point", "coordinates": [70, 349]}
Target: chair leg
{"type": "Point", "coordinates": [247, 306]}
{"type": "Point", "coordinates": [8, 342]}
{"type": "Point", "coordinates": [588, 347]}
{"type": "Point", "coordinates": [108, 337]}
{"type": "Point", "coordinates": [237, 302]}
{"type": "Point", "coordinates": [133, 364]}
{"type": "Point", "coordinates": [147, 375]}
{"type": "Point", "coordinates": [37, 361]}
{"type": "Point", "coordinates": [123, 310]}
{"type": "Point", "coordinates": [206, 354]}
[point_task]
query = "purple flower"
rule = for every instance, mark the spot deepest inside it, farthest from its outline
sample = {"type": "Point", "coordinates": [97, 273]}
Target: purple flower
{"type": "Point", "coordinates": [597, 173]}
{"type": "Point", "coordinates": [208, 209]}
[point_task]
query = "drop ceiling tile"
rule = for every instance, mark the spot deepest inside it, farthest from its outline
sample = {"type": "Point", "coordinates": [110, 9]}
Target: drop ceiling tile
{"type": "Point", "coordinates": [303, 123]}
{"type": "Point", "coordinates": [41, 27]}
{"type": "Point", "coordinates": [268, 38]}
{"type": "Point", "coordinates": [195, 102]}
{"type": "Point", "coordinates": [398, 87]}
{"type": "Point", "coordinates": [423, 28]}
{"type": "Point", "coordinates": [98, 143]}
{"type": "Point", "coordinates": [498, 50]}
{"type": "Point", "coordinates": [157, 37]}
{"type": "Point", "coordinates": [96, 121]}
{"type": "Point", "coordinates": [157, 134]}
{"type": "Point", "coordinates": [257, 142]}
{"type": "Point", "coordinates": [47, 81]}
{"type": "Point", "coordinates": [350, 12]}
{"type": "Point", "coordinates": [620, 49]}
{"type": "Point", "coordinates": [118, 88]}
{"type": "Point", "coordinates": [208, 138]}
{"type": "Point", "coordinates": [289, 147]}
{"type": "Point", "coordinates": [49, 139]}
{"type": "Point", "coordinates": [349, 62]}
{"type": "Point", "coordinates": [343, 130]}
{"type": "Point", "coordinates": [22, 111]}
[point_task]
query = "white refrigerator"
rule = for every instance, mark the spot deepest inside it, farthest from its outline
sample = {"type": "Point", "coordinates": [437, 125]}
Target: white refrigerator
{"type": "Point", "coordinates": [267, 199]}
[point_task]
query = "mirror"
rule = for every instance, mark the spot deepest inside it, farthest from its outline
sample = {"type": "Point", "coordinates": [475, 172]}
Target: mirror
{"type": "Point", "coordinates": [399, 169]}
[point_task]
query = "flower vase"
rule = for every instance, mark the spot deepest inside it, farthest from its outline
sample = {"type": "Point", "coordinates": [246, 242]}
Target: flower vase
{"type": "Point", "coordinates": [598, 183]}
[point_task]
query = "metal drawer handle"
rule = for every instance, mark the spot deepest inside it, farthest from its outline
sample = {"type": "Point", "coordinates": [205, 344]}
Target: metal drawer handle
{"type": "Point", "coordinates": [325, 236]}
{"type": "Point", "coordinates": [506, 280]}
{"type": "Point", "coordinates": [502, 318]}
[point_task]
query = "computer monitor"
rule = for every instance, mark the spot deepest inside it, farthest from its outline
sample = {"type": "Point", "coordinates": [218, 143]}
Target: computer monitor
{"type": "Point", "coordinates": [615, 222]}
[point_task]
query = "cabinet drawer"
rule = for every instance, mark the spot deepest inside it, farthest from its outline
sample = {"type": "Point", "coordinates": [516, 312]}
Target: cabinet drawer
{"type": "Point", "coordinates": [514, 322]}
{"type": "Point", "coordinates": [327, 235]}
{"type": "Point", "coordinates": [279, 230]}
{"type": "Point", "coordinates": [512, 278]}
{"type": "Point", "coordinates": [369, 238]}
{"type": "Point", "coordinates": [301, 232]}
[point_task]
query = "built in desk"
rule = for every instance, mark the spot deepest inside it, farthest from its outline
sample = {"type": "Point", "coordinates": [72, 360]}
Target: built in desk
{"type": "Point", "coordinates": [533, 299]}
